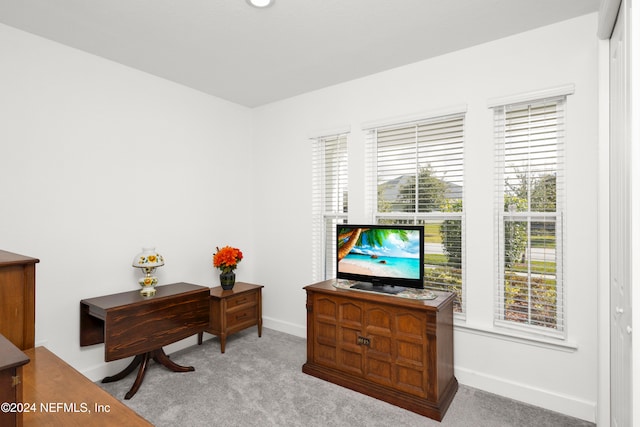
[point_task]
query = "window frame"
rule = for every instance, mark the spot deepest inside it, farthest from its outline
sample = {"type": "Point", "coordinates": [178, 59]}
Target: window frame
{"type": "Point", "coordinates": [323, 211]}
{"type": "Point", "coordinates": [372, 186]}
{"type": "Point", "coordinates": [512, 215]}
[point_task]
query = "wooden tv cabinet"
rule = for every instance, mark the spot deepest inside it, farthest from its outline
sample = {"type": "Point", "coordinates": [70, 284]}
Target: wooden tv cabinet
{"type": "Point", "coordinates": [392, 348]}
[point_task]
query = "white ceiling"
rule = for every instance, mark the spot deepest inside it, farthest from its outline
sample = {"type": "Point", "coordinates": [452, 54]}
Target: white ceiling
{"type": "Point", "coordinates": [255, 56]}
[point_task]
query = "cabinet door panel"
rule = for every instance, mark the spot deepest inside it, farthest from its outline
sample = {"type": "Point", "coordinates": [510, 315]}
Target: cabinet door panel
{"type": "Point", "coordinates": [351, 360]}
{"type": "Point", "coordinates": [350, 328]}
{"type": "Point", "coordinates": [411, 325]}
{"type": "Point", "coordinates": [411, 353]}
{"type": "Point", "coordinates": [380, 319]}
{"type": "Point", "coordinates": [380, 371]}
{"type": "Point", "coordinates": [350, 314]}
{"type": "Point", "coordinates": [338, 324]}
{"type": "Point", "coordinates": [396, 356]}
{"type": "Point", "coordinates": [326, 355]}
{"type": "Point", "coordinates": [411, 380]}
{"type": "Point", "coordinates": [348, 337]}
{"type": "Point", "coordinates": [379, 358]}
{"type": "Point", "coordinates": [380, 346]}
{"type": "Point", "coordinates": [326, 309]}
{"type": "Point", "coordinates": [325, 348]}
{"type": "Point", "coordinates": [325, 326]}
{"type": "Point", "coordinates": [326, 333]}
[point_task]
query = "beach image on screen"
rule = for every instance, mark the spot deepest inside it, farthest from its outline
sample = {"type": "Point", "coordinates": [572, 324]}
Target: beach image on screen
{"type": "Point", "coordinates": [387, 252]}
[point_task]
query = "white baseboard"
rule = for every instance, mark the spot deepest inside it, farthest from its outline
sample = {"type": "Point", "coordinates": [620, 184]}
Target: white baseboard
{"type": "Point", "coordinates": [286, 327]}
{"type": "Point", "coordinates": [568, 405]}
{"type": "Point", "coordinates": [98, 372]}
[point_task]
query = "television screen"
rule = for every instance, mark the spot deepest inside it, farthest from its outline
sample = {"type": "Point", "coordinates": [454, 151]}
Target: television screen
{"type": "Point", "coordinates": [381, 258]}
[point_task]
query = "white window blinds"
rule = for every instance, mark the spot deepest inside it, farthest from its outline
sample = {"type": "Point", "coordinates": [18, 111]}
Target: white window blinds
{"type": "Point", "coordinates": [329, 200]}
{"type": "Point", "coordinates": [415, 175]}
{"type": "Point", "coordinates": [529, 215]}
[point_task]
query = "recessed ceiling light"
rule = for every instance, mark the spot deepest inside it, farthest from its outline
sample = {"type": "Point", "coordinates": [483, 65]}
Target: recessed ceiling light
{"type": "Point", "coordinates": [260, 3]}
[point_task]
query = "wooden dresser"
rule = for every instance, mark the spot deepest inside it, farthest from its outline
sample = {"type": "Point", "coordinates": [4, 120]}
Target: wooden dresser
{"type": "Point", "coordinates": [17, 298]}
{"type": "Point", "coordinates": [394, 349]}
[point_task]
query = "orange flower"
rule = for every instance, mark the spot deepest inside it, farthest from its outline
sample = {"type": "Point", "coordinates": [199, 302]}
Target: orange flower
{"type": "Point", "coordinates": [227, 258]}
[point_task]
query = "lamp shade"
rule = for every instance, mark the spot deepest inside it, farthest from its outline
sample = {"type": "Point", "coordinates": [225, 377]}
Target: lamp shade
{"type": "Point", "coordinates": [148, 258]}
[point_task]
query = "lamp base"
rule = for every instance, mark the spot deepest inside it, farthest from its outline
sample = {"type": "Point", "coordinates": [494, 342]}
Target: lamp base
{"type": "Point", "coordinates": [148, 291]}
{"type": "Point", "coordinates": [148, 284]}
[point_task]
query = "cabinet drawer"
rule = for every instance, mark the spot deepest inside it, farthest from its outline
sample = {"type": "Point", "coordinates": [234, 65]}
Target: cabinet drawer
{"type": "Point", "coordinates": [242, 317]}
{"type": "Point", "coordinates": [245, 299]}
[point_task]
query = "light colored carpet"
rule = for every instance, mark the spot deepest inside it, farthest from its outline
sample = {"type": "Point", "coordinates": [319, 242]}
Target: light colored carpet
{"type": "Point", "coordinates": [259, 382]}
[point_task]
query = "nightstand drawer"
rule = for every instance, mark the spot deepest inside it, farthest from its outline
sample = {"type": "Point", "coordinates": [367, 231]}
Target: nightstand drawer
{"type": "Point", "coordinates": [246, 299]}
{"type": "Point", "coordinates": [241, 317]}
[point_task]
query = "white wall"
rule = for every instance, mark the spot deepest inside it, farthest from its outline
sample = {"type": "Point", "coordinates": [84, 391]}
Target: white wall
{"type": "Point", "coordinates": [561, 378]}
{"type": "Point", "coordinates": [98, 160]}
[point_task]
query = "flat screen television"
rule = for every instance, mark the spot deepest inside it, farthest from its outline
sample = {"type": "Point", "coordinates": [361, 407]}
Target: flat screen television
{"type": "Point", "coordinates": [381, 258]}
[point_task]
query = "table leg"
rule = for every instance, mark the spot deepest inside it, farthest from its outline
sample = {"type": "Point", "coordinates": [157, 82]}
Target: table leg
{"type": "Point", "coordinates": [139, 377]}
{"type": "Point", "coordinates": [126, 371]}
{"type": "Point", "coordinates": [142, 360]}
{"type": "Point", "coordinates": [161, 357]}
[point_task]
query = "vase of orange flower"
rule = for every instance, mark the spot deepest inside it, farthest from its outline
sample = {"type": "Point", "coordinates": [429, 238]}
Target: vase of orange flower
{"type": "Point", "coordinates": [227, 259]}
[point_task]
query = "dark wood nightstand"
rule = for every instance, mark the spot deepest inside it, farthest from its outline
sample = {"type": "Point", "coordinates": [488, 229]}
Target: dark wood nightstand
{"type": "Point", "coordinates": [233, 310]}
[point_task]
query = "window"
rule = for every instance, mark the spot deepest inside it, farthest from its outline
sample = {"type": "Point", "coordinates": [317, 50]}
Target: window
{"type": "Point", "coordinates": [415, 176]}
{"type": "Point", "coordinates": [329, 200]}
{"type": "Point", "coordinates": [529, 209]}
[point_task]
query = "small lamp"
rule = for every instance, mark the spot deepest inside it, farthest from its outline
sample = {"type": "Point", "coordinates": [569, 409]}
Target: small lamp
{"type": "Point", "coordinates": [148, 260]}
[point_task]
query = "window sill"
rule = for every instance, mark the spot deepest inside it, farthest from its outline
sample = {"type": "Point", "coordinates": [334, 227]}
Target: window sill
{"type": "Point", "coordinates": [514, 336]}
